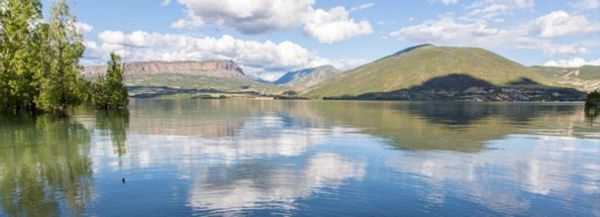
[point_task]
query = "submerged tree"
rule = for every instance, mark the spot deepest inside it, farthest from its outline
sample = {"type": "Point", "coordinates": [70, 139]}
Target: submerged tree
{"type": "Point", "coordinates": [110, 92]}
{"type": "Point", "coordinates": [60, 82]}
{"type": "Point", "coordinates": [592, 103]}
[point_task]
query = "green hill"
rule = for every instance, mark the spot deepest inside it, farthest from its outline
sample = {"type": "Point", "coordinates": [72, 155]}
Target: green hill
{"type": "Point", "coordinates": [417, 65]}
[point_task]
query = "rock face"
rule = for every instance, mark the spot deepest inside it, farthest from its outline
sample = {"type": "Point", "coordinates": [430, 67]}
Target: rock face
{"type": "Point", "coordinates": [217, 68]}
{"type": "Point", "coordinates": [305, 78]}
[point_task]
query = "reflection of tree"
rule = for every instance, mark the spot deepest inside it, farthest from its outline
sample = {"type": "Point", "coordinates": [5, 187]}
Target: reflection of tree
{"type": "Point", "coordinates": [115, 124]}
{"type": "Point", "coordinates": [43, 164]}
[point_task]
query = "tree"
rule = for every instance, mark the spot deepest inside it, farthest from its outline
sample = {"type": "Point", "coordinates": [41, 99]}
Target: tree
{"type": "Point", "coordinates": [592, 103]}
{"type": "Point", "coordinates": [114, 77]}
{"type": "Point", "coordinates": [60, 84]}
{"type": "Point", "coordinates": [109, 91]}
{"type": "Point", "coordinates": [18, 86]}
{"type": "Point", "coordinates": [593, 99]}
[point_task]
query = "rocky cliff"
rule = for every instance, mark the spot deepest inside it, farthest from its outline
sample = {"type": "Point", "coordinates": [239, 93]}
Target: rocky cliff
{"type": "Point", "coordinates": [218, 68]}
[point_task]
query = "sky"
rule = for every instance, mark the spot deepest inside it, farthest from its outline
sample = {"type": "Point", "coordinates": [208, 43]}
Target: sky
{"type": "Point", "coordinates": [270, 37]}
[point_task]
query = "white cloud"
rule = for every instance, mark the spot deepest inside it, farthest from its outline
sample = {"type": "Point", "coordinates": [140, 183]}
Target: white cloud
{"type": "Point", "coordinates": [585, 4]}
{"type": "Point", "coordinates": [572, 63]}
{"type": "Point", "coordinates": [446, 29]}
{"type": "Point", "coordinates": [362, 7]}
{"type": "Point", "coordinates": [334, 26]}
{"type": "Point", "coordinates": [254, 57]}
{"type": "Point", "coordinates": [451, 29]}
{"type": "Point", "coordinates": [262, 16]}
{"type": "Point", "coordinates": [249, 17]}
{"type": "Point", "coordinates": [561, 23]}
{"type": "Point", "coordinates": [83, 28]}
{"type": "Point", "coordinates": [449, 2]}
{"type": "Point", "coordinates": [491, 9]}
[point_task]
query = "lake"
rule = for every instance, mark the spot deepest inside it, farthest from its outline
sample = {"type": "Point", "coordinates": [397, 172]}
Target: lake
{"type": "Point", "coordinates": [303, 158]}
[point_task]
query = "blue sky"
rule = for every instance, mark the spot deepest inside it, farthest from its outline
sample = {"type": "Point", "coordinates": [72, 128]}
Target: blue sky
{"type": "Point", "coordinates": [270, 37]}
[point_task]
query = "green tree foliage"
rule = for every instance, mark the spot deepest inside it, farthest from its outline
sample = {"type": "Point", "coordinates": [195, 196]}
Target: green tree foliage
{"type": "Point", "coordinates": [60, 83]}
{"type": "Point", "coordinates": [592, 104]}
{"type": "Point", "coordinates": [593, 99]}
{"type": "Point", "coordinates": [109, 91]}
{"type": "Point", "coordinates": [39, 62]}
{"type": "Point", "coordinates": [18, 86]}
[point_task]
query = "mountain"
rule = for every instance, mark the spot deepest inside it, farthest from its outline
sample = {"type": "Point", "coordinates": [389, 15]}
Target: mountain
{"type": "Point", "coordinates": [216, 68]}
{"type": "Point", "coordinates": [302, 79]}
{"type": "Point", "coordinates": [585, 78]}
{"type": "Point", "coordinates": [416, 65]}
{"type": "Point", "coordinates": [221, 75]}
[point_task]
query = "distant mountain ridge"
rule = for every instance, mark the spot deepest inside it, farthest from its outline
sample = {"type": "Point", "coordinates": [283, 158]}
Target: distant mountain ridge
{"type": "Point", "coordinates": [307, 77]}
{"type": "Point", "coordinates": [424, 72]}
{"type": "Point", "coordinates": [585, 78]}
{"type": "Point", "coordinates": [212, 75]}
{"type": "Point", "coordinates": [416, 65]}
{"type": "Point", "coordinates": [213, 68]}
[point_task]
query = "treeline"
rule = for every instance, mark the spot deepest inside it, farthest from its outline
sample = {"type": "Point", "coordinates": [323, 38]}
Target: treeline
{"type": "Point", "coordinates": [39, 62]}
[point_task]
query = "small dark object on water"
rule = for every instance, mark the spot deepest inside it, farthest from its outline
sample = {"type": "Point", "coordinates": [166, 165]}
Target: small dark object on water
{"type": "Point", "coordinates": [123, 180]}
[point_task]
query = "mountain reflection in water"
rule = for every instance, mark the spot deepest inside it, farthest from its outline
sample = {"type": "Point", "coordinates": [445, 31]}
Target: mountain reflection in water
{"type": "Point", "coordinates": [251, 157]}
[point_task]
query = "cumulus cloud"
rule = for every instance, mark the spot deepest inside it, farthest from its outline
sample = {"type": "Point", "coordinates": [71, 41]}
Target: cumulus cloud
{"type": "Point", "coordinates": [334, 26]}
{"type": "Point", "coordinates": [572, 63]}
{"type": "Point", "coordinates": [248, 17]}
{"type": "Point", "coordinates": [83, 28]}
{"type": "Point", "coordinates": [262, 16]}
{"type": "Point", "coordinates": [585, 4]}
{"type": "Point", "coordinates": [255, 57]}
{"type": "Point", "coordinates": [538, 34]}
{"type": "Point", "coordinates": [491, 9]}
{"type": "Point", "coordinates": [561, 23]}
{"type": "Point", "coordinates": [446, 29]}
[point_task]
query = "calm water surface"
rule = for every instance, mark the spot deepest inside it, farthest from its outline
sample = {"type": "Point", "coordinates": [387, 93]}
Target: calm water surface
{"type": "Point", "coordinates": [303, 158]}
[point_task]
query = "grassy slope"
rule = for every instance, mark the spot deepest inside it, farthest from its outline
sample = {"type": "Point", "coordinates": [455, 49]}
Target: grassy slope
{"type": "Point", "coordinates": [552, 72]}
{"type": "Point", "coordinates": [590, 72]}
{"type": "Point", "coordinates": [416, 65]}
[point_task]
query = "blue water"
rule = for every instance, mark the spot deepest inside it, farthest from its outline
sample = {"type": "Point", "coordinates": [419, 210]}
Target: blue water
{"type": "Point", "coordinates": [304, 158]}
